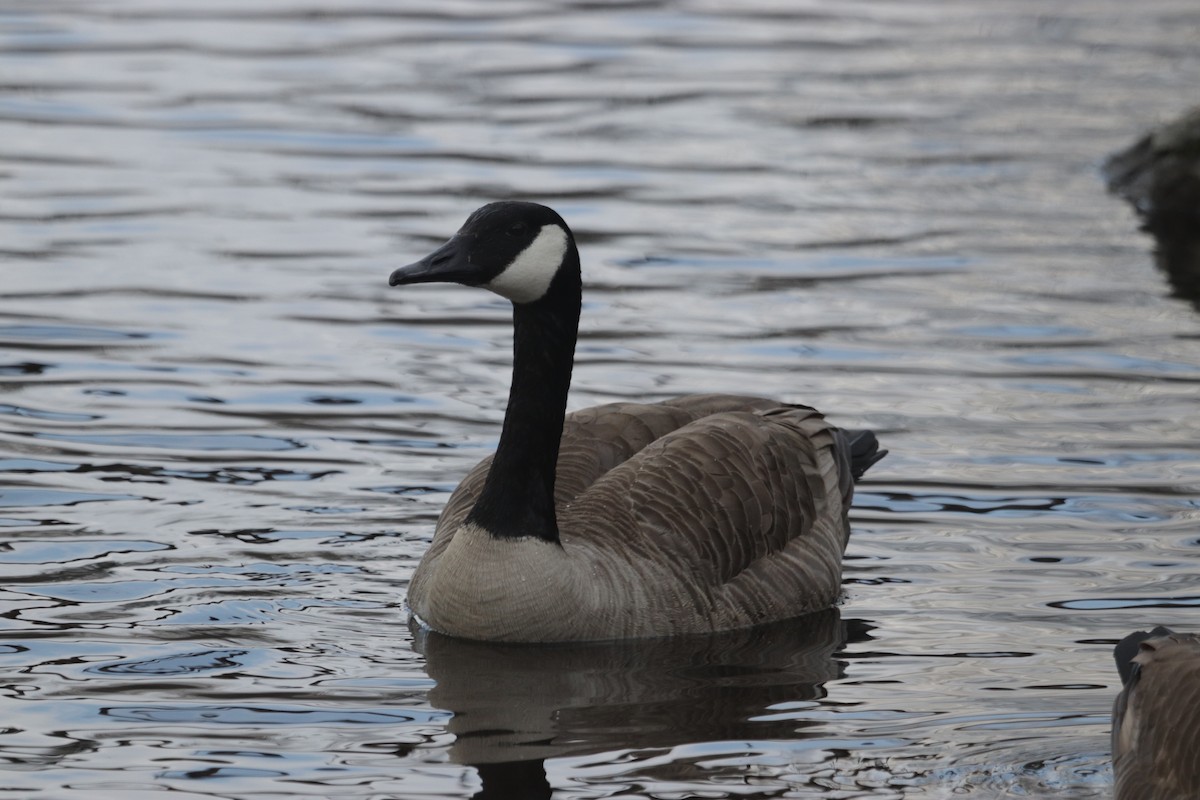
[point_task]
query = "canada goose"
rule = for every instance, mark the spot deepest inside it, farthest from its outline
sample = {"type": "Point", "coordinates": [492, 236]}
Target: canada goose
{"type": "Point", "coordinates": [1156, 717]}
{"type": "Point", "coordinates": [627, 520]}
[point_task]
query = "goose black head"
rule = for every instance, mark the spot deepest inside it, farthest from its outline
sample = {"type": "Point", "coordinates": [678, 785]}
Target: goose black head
{"type": "Point", "coordinates": [513, 248]}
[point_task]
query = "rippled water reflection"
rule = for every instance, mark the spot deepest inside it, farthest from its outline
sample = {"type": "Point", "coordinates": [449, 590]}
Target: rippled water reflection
{"type": "Point", "coordinates": [224, 441]}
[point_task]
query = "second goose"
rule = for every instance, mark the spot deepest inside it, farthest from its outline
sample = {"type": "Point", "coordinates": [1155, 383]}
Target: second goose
{"type": "Point", "coordinates": [692, 515]}
{"type": "Point", "coordinates": [1156, 716]}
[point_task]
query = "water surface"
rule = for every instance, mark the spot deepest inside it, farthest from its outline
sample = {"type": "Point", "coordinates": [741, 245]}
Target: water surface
{"type": "Point", "coordinates": [224, 440]}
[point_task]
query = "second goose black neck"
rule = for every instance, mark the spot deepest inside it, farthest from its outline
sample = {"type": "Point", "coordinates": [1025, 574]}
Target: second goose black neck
{"type": "Point", "coordinates": [517, 500]}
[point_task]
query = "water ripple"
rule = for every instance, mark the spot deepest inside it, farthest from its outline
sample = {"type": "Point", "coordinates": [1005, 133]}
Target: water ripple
{"type": "Point", "coordinates": [224, 440]}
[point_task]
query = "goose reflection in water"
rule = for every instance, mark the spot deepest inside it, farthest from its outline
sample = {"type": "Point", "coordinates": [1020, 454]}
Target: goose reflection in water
{"type": "Point", "coordinates": [515, 706]}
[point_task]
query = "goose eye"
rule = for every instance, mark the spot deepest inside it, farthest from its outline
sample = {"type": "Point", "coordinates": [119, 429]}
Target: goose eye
{"type": "Point", "coordinates": [516, 229]}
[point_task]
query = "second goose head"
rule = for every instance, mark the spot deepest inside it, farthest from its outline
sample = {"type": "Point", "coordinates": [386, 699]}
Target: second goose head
{"type": "Point", "coordinates": [515, 249]}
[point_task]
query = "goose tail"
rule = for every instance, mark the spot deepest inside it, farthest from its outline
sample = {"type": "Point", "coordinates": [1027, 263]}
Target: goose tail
{"type": "Point", "coordinates": [863, 449]}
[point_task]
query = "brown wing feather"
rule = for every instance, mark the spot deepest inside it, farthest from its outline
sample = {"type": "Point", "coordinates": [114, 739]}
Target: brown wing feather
{"type": "Point", "coordinates": [744, 509]}
{"type": "Point", "coordinates": [598, 438]}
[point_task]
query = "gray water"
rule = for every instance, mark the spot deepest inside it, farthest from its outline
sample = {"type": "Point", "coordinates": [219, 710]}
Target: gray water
{"type": "Point", "coordinates": [224, 440]}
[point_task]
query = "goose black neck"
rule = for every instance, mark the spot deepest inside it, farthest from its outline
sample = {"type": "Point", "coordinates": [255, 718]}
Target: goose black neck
{"type": "Point", "coordinates": [517, 500]}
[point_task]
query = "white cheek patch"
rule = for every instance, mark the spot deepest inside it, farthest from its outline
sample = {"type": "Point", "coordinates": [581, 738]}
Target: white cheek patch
{"type": "Point", "coordinates": [529, 275]}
